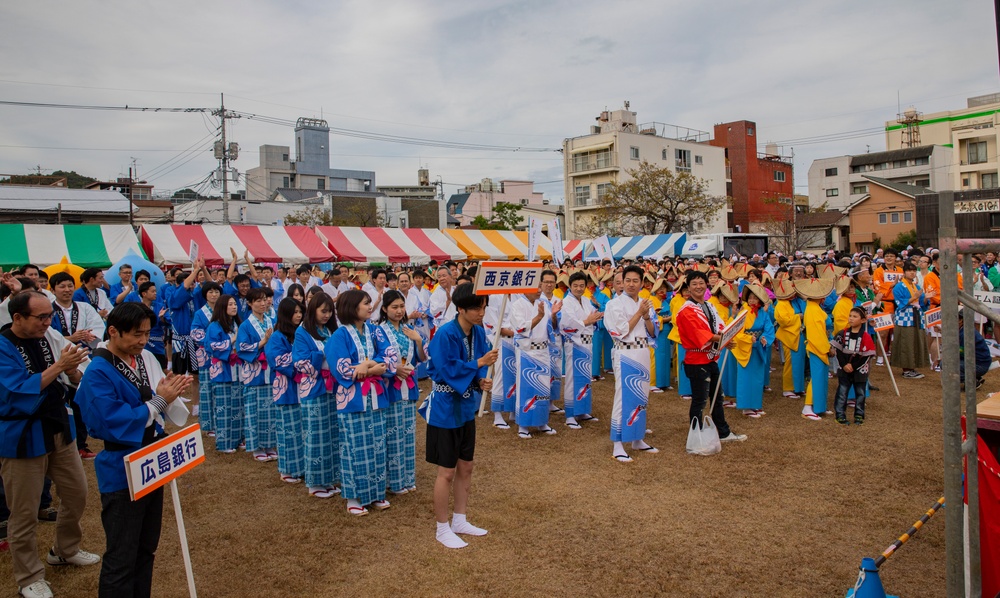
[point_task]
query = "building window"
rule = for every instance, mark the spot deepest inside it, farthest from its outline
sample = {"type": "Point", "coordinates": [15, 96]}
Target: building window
{"type": "Point", "coordinates": [965, 182]}
{"type": "Point", "coordinates": [977, 152]}
{"type": "Point", "coordinates": [882, 218]}
{"type": "Point", "coordinates": [989, 180]}
{"type": "Point", "coordinates": [894, 217]}
{"type": "Point", "coordinates": [994, 220]}
{"type": "Point", "coordinates": [664, 154]}
{"type": "Point", "coordinates": [284, 157]}
{"type": "Point", "coordinates": [602, 190]}
{"type": "Point", "coordinates": [284, 182]}
{"type": "Point", "coordinates": [682, 160]}
{"type": "Point", "coordinates": [779, 176]}
{"type": "Point", "coordinates": [881, 166]}
{"type": "Point", "coordinates": [591, 160]}
{"type": "Point", "coordinates": [832, 192]}
{"type": "Point", "coordinates": [857, 169]}
{"type": "Point", "coordinates": [603, 158]}
{"type": "Point", "coordinates": [921, 161]}
{"type": "Point", "coordinates": [922, 183]}
{"type": "Point", "coordinates": [750, 131]}
{"type": "Point", "coordinates": [633, 152]}
{"type": "Point", "coordinates": [907, 216]}
{"type": "Point", "coordinates": [831, 172]}
{"type": "Point", "coordinates": [899, 163]}
{"type": "Point", "coordinates": [698, 160]}
{"type": "Point", "coordinates": [859, 189]}
{"type": "Point", "coordinates": [583, 195]}
{"type": "Point", "coordinates": [321, 183]}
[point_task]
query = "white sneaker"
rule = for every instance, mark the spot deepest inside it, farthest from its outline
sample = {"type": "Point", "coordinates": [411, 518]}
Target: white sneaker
{"type": "Point", "coordinates": [734, 437]}
{"type": "Point", "coordinates": [39, 589]}
{"type": "Point", "coordinates": [82, 558]}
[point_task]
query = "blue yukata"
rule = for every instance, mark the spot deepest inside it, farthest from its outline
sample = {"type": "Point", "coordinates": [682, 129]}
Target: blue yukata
{"type": "Point", "coordinates": [631, 364]}
{"type": "Point", "coordinates": [284, 396]}
{"type": "Point", "coordinates": [241, 301]}
{"type": "Point", "coordinates": [531, 350]}
{"type": "Point", "coordinates": [555, 352]}
{"type": "Point", "coordinates": [260, 416]}
{"type": "Point", "coordinates": [502, 395]}
{"type": "Point", "coordinates": [664, 346]}
{"type": "Point", "coordinates": [181, 306]}
{"type": "Point", "coordinates": [115, 290]}
{"type": "Point", "coordinates": [602, 340]}
{"type": "Point", "coordinates": [401, 416]}
{"type": "Point", "coordinates": [199, 327]}
{"type": "Point", "coordinates": [315, 385]}
{"type": "Point", "coordinates": [361, 408]}
{"type": "Point", "coordinates": [157, 333]}
{"type": "Point", "coordinates": [115, 411]}
{"type": "Point", "coordinates": [749, 358]}
{"type": "Point", "coordinates": [226, 390]}
{"type": "Point", "coordinates": [453, 366]}
{"type": "Point", "coordinates": [817, 341]}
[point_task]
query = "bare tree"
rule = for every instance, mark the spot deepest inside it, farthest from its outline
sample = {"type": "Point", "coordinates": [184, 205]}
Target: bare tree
{"type": "Point", "coordinates": [654, 201]}
{"type": "Point", "coordinates": [348, 214]}
{"type": "Point", "coordinates": [784, 229]}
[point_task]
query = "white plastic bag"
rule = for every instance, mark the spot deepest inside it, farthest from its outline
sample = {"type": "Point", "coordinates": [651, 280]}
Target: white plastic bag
{"type": "Point", "coordinates": [703, 441]}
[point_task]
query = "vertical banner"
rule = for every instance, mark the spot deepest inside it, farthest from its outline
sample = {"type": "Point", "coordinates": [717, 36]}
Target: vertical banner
{"type": "Point", "coordinates": [555, 235]}
{"type": "Point", "coordinates": [534, 236]}
{"type": "Point", "coordinates": [603, 248]}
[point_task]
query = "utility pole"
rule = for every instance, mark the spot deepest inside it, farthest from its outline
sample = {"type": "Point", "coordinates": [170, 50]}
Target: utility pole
{"type": "Point", "coordinates": [225, 152]}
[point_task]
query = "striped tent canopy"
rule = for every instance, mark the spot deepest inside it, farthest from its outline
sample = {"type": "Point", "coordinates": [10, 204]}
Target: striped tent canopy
{"type": "Point", "coordinates": [171, 243]}
{"type": "Point", "coordinates": [644, 246]}
{"type": "Point", "coordinates": [85, 245]}
{"type": "Point", "coordinates": [574, 249]}
{"type": "Point", "coordinates": [389, 245]}
{"type": "Point", "coordinates": [498, 244]}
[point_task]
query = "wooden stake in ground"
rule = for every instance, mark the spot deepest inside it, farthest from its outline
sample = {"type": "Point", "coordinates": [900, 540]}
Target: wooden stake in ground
{"type": "Point", "coordinates": [183, 536]}
{"type": "Point", "coordinates": [892, 376]}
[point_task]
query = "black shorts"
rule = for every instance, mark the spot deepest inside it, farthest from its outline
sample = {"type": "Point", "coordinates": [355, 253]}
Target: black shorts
{"type": "Point", "coordinates": [445, 446]}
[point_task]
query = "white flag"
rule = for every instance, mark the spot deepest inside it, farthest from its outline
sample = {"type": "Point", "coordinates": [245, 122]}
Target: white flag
{"type": "Point", "coordinates": [603, 248]}
{"type": "Point", "coordinates": [555, 235]}
{"type": "Point", "coordinates": [534, 236]}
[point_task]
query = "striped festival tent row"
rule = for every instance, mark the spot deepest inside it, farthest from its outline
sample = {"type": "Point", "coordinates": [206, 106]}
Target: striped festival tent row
{"type": "Point", "coordinates": [171, 243]}
{"type": "Point", "coordinates": [86, 245]}
{"type": "Point", "coordinates": [644, 246]}
{"type": "Point", "coordinates": [574, 249]}
{"type": "Point", "coordinates": [497, 244]}
{"type": "Point", "coordinates": [389, 245]}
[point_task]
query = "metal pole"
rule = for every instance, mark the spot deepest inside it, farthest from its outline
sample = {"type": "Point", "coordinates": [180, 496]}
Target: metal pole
{"type": "Point", "coordinates": [951, 400]}
{"type": "Point", "coordinates": [972, 469]}
{"type": "Point", "coordinates": [225, 162]}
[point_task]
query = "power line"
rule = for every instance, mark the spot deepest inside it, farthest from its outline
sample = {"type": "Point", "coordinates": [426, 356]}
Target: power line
{"type": "Point", "coordinates": [94, 107]}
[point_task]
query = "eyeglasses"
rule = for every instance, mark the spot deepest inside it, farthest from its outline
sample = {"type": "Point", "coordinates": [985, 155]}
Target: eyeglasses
{"type": "Point", "coordinates": [42, 317]}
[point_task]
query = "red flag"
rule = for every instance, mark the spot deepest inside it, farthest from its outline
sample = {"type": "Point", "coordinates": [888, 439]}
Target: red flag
{"type": "Point", "coordinates": [989, 519]}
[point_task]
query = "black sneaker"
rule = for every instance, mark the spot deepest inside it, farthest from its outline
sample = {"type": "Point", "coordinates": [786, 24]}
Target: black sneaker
{"type": "Point", "coordinates": [48, 514]}
{"type": "Point", "coordinates": [843, 420]}
{"type": "Point", "coordinates": [858, 420]}
{"type": "Point", "coordinates": [873, 387]}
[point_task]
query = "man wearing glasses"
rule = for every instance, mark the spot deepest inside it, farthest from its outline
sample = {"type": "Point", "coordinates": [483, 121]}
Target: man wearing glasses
{"type": "Point", "coordinates": [37, 439]}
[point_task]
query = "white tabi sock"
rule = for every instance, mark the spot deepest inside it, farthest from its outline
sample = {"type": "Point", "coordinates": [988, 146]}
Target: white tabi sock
{"type": "Point", "coordinates": [639, 444]}
{"type": "Point", "coordinates": [498, 418]}
{"type": "Point", "coordinates": [807, 409]}
{"type": "Point", "coordinates": [459, 525]}
{"type": "Point", "coordinates": [448, 537]}
{"type": "Point", "coordinates": [618, 449]}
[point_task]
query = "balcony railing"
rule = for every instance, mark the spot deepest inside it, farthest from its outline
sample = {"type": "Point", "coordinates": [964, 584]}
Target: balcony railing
{"type": "Point", "coordinates": [594, 162]}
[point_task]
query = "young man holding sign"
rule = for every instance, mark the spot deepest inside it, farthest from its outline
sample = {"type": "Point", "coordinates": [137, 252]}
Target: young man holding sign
{"type": "Point", "coordinates": [123, 396]}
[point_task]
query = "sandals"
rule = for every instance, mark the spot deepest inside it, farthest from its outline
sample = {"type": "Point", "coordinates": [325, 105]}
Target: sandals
{"type": "Point", "coordinates": [381, 505]}
{"type": "Point", "coordinates": [272, 455]}
{"type": "Point", "coordinates": [323, 492]}
{"type": "Point", "coordinates": [503, 426]}
{"type": "Point", "coordinates": [752, 413]}
{"type": "Point", "coordinates": [622, 458]}
{"type": "Point", "coordinates": [557, 410]}
{"type": "Point", "coordinates": [400, 492]}
{"type": "Point", "coordinates": [652, 450]}
{"type": "Point", "coordinates": [548, 431]}
{"type": "Point", "coordinates": [812, 416]}
{"type": "Point", "coordinates": [291, 479]}
{"type": "Point", "coordinates": [357, 511]}
{"type": "Point", "coordinates": [574, 426]}
{"type": "Point", "coordinates": [524, 435]}
{"type": "Point", "coordinates": [588, 418]}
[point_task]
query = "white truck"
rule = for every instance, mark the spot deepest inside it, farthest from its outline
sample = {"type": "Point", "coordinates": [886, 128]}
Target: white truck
{"type": "Point", "coordinates": [724, 245]}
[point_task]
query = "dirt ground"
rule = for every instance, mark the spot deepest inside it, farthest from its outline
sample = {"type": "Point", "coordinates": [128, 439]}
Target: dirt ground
{"type": "Point", "coordinates": [790, 512]}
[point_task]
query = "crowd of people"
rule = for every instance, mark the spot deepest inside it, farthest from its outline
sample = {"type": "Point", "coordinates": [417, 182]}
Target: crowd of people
{"type": "Point", "coordinates": [318, 370]}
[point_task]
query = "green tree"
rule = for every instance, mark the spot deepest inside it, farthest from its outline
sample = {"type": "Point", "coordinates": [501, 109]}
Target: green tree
{"type": "Point", "coordinates": [506, 216]}
{"type": "Point", "coordinates": [654, 200]}
{"type": "Point", "coordinates": [311, 216]}
{"type": "Point", "coordinates": [186, 194]}
{"type": "Point", "coordinates": [73, 179]}
{"type": "Point", "coordinates": [904, 239]}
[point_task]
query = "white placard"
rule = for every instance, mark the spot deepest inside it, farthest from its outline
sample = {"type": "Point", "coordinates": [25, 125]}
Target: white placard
{"type": "Point", "coordinates": [881, 322]}
{"type": "Point", "coordinates": [989, 298]}
{"type": "Point", "coordinates": [166, 459]}
{"type": "Point", "coordinates": [507, 278]}
{"type": "Point", "coordinates": [977, 206]}
{"type": "Point", "coordinates": [534, 236]}
{"type": "Point", "coordinates": [193, 251]}
{"type": "Point", "coordinates": [555, 235]}
{"type": "Point", "coordinates": [602, 245]}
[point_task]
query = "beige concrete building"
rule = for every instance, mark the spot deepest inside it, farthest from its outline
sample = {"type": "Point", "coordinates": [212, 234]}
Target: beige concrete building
{"type": "Point", "coordinates": [971, 132]}
{"type": "Point", "coordinates": [617, 144]}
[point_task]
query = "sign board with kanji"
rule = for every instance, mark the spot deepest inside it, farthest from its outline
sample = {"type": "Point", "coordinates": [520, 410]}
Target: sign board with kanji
{"type": "Point", "coordinates": [932, 317]}
{"type": "Point", "coordinates": [979, 206]}
{"type": "Point", "coordinates": [166, 459]}
{"type": "Point", "coordinates": [989, 298]}
{"type": "Point", "coordinates": [881, 322]}
{"type": "Point", "coordinates": [508, 278]}
{"type": "Point", "coordinates": [892, 277]}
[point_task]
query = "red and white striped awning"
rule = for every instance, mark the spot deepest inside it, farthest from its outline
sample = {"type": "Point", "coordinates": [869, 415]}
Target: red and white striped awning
{"type": "Point", "coordinates": [170, 243]}
{"type": "Point", "coordinates": [389, 245]}
{"type": "Point", "coordinates": [574, 249]}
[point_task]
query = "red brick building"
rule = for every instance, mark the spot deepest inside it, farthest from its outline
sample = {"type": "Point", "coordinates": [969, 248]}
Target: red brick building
{"type": "Point", "coordinates": [759, 183]}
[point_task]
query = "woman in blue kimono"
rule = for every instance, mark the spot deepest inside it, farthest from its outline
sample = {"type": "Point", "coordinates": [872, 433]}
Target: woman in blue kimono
{"type": "Point", "coordinates": [401, 416]}
{"type": "Point", "coordinates": [361, 358]}
{"type": "Point", "coordinates": [220, 342]}
{"type": "Point", "coordinates": [199, 326]}
{"type": "Point", "coordinates": [314, 383]}
{"type": "Point", "coordinates": [664, 346]}
{"type": "Point", "coordinates": [750, 351]}
{"type": "Point", "coordinates": [284, 394]}
{"type": "Point", "coordinates": [260, 413]}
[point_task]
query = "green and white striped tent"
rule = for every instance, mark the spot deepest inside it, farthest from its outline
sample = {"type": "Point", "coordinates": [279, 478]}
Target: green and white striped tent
{"type": "Point", "coordinates": [86, 245]}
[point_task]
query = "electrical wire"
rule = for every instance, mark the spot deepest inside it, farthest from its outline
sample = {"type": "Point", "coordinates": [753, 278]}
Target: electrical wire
{"type": "Point", "coordinates": [94, 107]}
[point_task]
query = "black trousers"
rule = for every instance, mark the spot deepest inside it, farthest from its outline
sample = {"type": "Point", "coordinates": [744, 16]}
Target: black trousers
{"type": "Point", "coordinates": [845, 382]}
{"type": "Point", "coordinates": [133, 533]}
{"type": "Point", "coordinates": [81, 428]}
{"type": "Point", "coordinates": [705, 380]}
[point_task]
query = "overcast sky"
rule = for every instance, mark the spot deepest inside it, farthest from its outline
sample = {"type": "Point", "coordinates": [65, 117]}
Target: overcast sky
{"type": "Point", "coordinates": [518, 74]}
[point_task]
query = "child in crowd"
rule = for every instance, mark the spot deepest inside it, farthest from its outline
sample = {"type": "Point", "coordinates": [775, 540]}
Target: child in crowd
{"type": "Point", "coordinates": [855, 348]}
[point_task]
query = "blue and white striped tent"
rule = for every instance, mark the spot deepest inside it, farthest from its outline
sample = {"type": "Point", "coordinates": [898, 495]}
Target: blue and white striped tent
{"type": "Point", "coordinates": [644, 246]}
